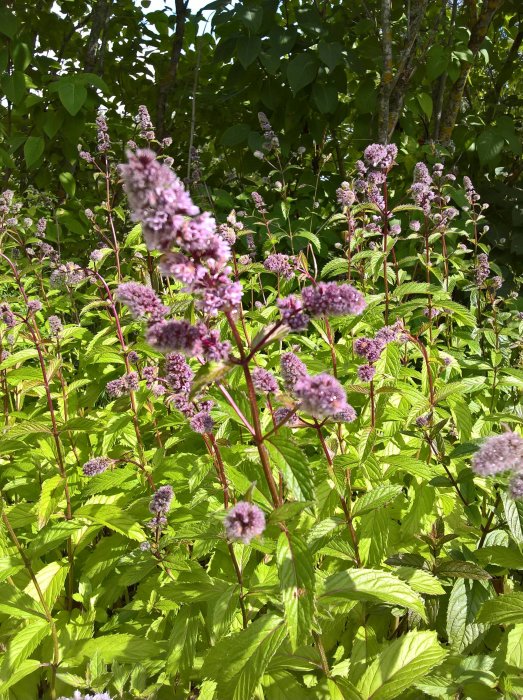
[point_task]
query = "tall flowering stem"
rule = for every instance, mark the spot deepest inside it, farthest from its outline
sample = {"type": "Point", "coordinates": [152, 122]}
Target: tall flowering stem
{"type": "Point", "coordinates": [345, 503]}
{"type": "Point", "coordinates": [37, 341]}
{"type": "Point", "coordinates": [255, 417]}
{"type": "Point", "coordinates": [41, 598]}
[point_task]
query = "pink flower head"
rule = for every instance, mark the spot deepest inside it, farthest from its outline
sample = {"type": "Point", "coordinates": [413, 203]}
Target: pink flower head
{"type": "Point", "coordinates": [499, 453]}
{"type": "Point", "coordinates": [331, 299]}
{"type": "Point", "coordinates": [321, 395]}
{"type": "Point", "coordinates": [244, 521]}
{"type": "Point", "coordinates": [141, 301]}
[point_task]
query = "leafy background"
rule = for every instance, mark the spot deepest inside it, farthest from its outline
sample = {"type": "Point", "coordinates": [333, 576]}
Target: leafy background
{"type": "Point", "coordinates": [435, 607]}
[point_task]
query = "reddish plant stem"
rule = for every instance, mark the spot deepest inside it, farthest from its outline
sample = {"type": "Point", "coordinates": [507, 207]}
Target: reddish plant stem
{"type": "Point", "coordinates": [430, 379]}
{"type": "Point", "coordinates": [255, 417]}
{"type": "Point", "coordinates": [345, 505]}
{"type": "Point", "coordinates": [215, 454]}
{"type": "Point", "coordinates": [372, 405]}
{"type": "Point", "coordinates": [41, 597]}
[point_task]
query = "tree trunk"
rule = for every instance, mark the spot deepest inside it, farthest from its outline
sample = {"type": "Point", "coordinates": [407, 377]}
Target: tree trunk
{"type": "Point", "coordinates": [453, 101]}
{"type": "Point", "coordinates": [386, 77]}
{"type": "Point", "coordinates": [100, 15]}
{"type": "Point", "coordinates": [168, 80]}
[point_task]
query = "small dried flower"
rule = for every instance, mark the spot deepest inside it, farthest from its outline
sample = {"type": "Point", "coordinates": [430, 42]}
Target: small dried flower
{"type": "Point", "coordinates": [244, 521]}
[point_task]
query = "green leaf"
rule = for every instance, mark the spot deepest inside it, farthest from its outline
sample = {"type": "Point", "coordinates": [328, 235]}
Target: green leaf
{"type": "Point", "coordinates": [437, 61]}
{"type": "Point", "coordinates": [425, 102]}
{"type": "Point", "coordinates": [301, 71]}
{"type": "Point", "coordinates": [420, 580]}
{"type": "Point", "coordinates": [73, 96]}
{"type": "Point", "coordinates": [26, 667]}
{"type": "Point", "coordinates": [403, 662]}
{"type": "Point", "coordinates": [338, 266]}
{"type": "Point", "coordinates": [292, 462]}
{"type": "Point", "coordinates": [18, 604]}
{"type": "Point", "coordinates": [114, 518]}
{"type": "Point", "coordinates": [377, 498]}
{"type": "Point", "coordinates": [33, 149]}
{"type": "Point", "coordinates": [465, 600]}
{"type": "Point", "coordinates": [248, 49]}
{"type": "Point", "coordinates": [247, 655]}
{"type": "Point", "coordinates": [21, 646]}
{"type": "Point", "coordinates": [461, 569]}
{"type": "Point", "coordinates": [325, 97]}
{"type": "Point", "coordinates": [9, 24]}
{"type": "Point", "coordinates": [68, 183]}
{"type": "Point", "coordinates": [19, 358]}
{"type": "Point", "coordinates": [13, 86]}
{"type": "Point", "coordinates": [373, 585]}
{"type": "Point", "coordinates": [489, 145]}
{"type": "Point", "coordinates": [514, 515]}
{"type": "Point", "coordinates": [312, 237]}
{"type": "Point", "coordinates": [331, 53]}
{"type": "Point", "coordinates": [505, 609]}
{"type": "Point", "coordinates": [123, 647]}
{"type": "Point", "coordinates": [296, 574]}
{"type": "Point", "coordinates": [235, 135]}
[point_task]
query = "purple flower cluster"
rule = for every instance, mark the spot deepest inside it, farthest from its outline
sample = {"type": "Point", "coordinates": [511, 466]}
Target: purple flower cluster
{"type": "Point", "coordinates": [141, 301]}
{"type": "Point", "coordinates": [169, 218]}
{"type": "Point", "coordinates": [371, 348]}
{"type": "Point", "coordinates": [421, 190]}
{"type": "Point", "coordinates": [264, 381]}
{"type": "Point", "coordinates": [271, 140]}
{"type": "Point", "coordinates": [244, 521]}
{"type": "Point", "coordinates": [97, 465]}
{"type": "Point", "coordinates": [482, 269]}
{"type": "Point", "coordinates": [366, 373]}
{"type": "Point", "coordinates": [279, 264]}
{"type": "Point", "coordinates": [123, 385]}
{"type": "Point", "coordinates": [67, 275]}
{"type": "Point", "coordinates": [515, 488]}
{"type": "Point", "coordinates": [345, 195]}
{"type": "Point", "coordinates": [499, 453]}
{"type": "Point", "coordinates": [159, 506]}
{"type": "Point", "coordinates": [178, 374]}
{"type": "Point", "coordinates": [380, 157]}
{"type": "Point", "coordinates": [182, 337]}
{"type": "Point", "coordinates": [6, 315]}
{"type": "Point", "coordinates": [202, 422]}
{"type": "Point", "coordinates": [292, 370]}
{"type": "Point", "coordinates": [33, 306]}
{"type": "Point", "coordinates": [323, 299]}
{"type": "Point", "coordinates": [143, 120]}
{"type": "Point", "coordinates": [104, 143]}
{"type": "Point", "coordinates": [258, 202]}
{"type": "Point", "coordinates": [321, 395]}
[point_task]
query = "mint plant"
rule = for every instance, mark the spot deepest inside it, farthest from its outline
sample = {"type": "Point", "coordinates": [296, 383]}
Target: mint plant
{"type": "Point", "coordinates": [237, 462]}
